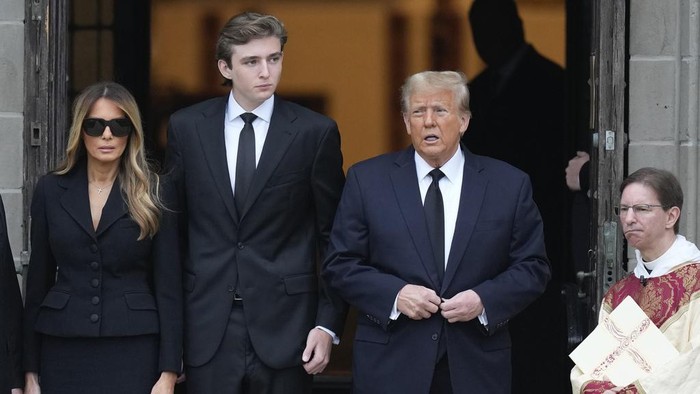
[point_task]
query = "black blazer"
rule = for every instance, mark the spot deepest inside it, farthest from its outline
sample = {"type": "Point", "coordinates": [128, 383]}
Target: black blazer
{"type": "Point", "coordinates": [272, 250]}
{"type": "Point", "coordinates": [11, 375]}
{"type": "Point", "coordinates": [104, 283]}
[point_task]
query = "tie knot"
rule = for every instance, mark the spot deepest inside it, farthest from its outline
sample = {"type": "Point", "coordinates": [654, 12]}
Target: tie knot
{"type": "Point", "coordinates": [436, 174]}
{"type": "Point", "coordinates": [248, 117]}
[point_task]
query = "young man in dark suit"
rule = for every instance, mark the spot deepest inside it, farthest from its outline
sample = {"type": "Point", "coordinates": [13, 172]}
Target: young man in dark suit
{"type": "Point", "coordinates": [11, 375]}
{"type": "Point", "coordinates": [438, 249]}
{"type": "Point", "coordinates": [258, 180]}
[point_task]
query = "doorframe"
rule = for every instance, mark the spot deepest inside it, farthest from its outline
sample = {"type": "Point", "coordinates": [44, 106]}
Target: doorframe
{"type": "Point", "coordinates": [45, 104]}
{"type": "Point", "coordinates": [608, 82]}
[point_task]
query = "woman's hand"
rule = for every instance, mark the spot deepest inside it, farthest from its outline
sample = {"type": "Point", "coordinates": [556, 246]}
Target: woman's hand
{"type": "Point", "coordinates": [165, 384]}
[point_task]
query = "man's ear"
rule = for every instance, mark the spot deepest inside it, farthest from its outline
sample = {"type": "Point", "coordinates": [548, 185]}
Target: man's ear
{"type": "Point", "coordinates": [464, 124]}
{"type": "Point", "coordinates": [407, 122]}
{"type": "Point", "coordinates": [224, 69]}
{"type": "Point", "coordinates": [674, 214]}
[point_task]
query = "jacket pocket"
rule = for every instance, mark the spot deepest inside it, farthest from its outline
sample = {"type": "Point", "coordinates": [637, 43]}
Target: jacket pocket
{"type": "Point", "coordinates": [140, 301]}
{"type": "Point", "coordinates": [288, 178]}
{"type": "Point", "coordinates": [490, 225]}
{"type": "Point", "coordinates": [55, 300]}
{"type": "Point", "coordinates": [300, 284]}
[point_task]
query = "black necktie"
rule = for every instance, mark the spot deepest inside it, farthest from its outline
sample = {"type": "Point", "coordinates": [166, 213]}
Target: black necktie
{"type": "Point", "coordinates": [245, 163]}
{"type": "Point", "coordinates": [435, 213]}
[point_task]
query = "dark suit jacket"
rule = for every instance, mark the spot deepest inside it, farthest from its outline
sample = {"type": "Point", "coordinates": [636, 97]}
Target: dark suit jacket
{"type": "Point", "coordinates": [272, 250]}
{"type": "Point", "coordinates": [104, 283]}
{"type": "Point", "coordinates": [380, 243]}
{"type": "Point", "coordinates": [11, 375]}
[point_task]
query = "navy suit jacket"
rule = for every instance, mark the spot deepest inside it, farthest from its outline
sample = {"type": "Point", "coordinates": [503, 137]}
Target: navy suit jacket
{"type": "Point", "coordinates": [272, 249]}
{"type": "Point", "coordinates": [380, 243]}
{"type": "Point", "coordinates": [11, 375]}
{"type": "Point", "coordinates": [84, 282]}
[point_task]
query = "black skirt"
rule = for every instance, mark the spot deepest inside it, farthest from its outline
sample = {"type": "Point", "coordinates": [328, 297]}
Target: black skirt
{"type": "Point", "coordinates": [111, 365]}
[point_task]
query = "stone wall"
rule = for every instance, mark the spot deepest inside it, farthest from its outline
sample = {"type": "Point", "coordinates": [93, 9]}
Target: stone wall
{"type": "Point", "coordinates": [11, 117]}
{"type": "Point", "coordinates": [663, 94]}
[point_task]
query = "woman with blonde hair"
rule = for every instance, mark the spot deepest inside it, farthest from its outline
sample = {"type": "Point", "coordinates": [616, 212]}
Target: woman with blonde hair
{"type": "Point", "coordinates": [103, 300]}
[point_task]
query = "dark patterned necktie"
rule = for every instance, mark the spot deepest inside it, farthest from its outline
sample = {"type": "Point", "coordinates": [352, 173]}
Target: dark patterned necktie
{"type": "Point", "coordinates": [245, 163]}
{"type": "Point", "coordinates": [435, 214]}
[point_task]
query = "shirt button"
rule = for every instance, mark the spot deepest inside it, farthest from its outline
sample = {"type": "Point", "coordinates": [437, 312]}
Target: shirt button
{"type": "Point", "coordinates": [435, 337]}
{"type": "Point", "coordinates": [94, 265]}
{"type": "Point", "coordinates": [95, 282]}
{"type": "Point", "coordinates": [94, 318]}
{"type": "Point", "coordinates": [95, 300]}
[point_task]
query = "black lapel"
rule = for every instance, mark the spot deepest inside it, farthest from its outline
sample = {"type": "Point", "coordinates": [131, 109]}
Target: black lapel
{"type": "Point", "coordinates": [280, 134]}
{"type": "Point", "coordinates": [472, 197]}
{"type": "Point", "coordinates": [114, 209]}
{"type": "Point", "coordinates": [210, 129]}
{"type": "Point", "coordinates": [407, 193]}
{"type": "Point", "coordinates": [75, 199]}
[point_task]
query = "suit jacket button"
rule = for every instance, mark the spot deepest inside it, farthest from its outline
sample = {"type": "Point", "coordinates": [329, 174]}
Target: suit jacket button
{"type": "Point", "coordinates": [94, 318]}
{"type": "Point", "coordinates": [95, 300]}
{"type": "Point", "coordinates": [240, 245]}
{"type": "Point", "coordinates": [95, 282]}
{"type": "Point", "coordinates": [93, 248]}
{"type": "Point", "coordinates": [230, 289]}
{"type": "Point", "coordinates": [434, 337]}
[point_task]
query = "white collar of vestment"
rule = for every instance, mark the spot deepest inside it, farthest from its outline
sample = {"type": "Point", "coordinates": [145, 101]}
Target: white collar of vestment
{"type": "Point", "coordinates": [680, 252]}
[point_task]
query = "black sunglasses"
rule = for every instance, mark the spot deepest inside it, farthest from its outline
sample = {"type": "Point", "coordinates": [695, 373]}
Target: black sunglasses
{"type": "Point", "coordinates": [120, 127]}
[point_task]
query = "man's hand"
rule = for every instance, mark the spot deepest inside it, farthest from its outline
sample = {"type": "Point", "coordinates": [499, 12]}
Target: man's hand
{"type": "Point", "coordinates": [165, 384]}
{"type": "Point", "coordinates": [31, 383]}
{"type": "Point", "coordinates": [573, 169]}
{"type": "Point", "coordinates": [417, 302]}
{"type": "Point", "coordinates": [464, 306]}
{"type": "Point", "coordinates": [317, 352]}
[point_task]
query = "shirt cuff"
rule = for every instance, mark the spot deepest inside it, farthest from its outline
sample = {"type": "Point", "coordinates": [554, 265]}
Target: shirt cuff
{"type": "Point", "coordinates": [483, 319]}
{"type": "Point", "coordinates": [336, 340]}
{"type": "Point", "coordinates": [395, 309]}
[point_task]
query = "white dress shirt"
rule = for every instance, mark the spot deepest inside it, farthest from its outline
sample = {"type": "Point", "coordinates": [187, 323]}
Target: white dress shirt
{"type": "Point", "coordinates": [450, 187]}
{"type": "Point", "coordinates": [451, 190]}
{"type": "Point", "coordinates": [233, 125]}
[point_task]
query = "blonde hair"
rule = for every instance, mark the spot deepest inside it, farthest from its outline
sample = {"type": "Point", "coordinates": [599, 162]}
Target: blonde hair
{"type": "Point", "coordinates": [138, 183]}
{"type": "Point", "coordinates": [431, 80]}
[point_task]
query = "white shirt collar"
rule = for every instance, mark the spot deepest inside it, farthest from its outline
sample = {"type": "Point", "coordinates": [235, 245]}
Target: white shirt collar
{"type": "Point", "coordinates": [452, 168]}
{"type": "Point", "coordinates": [264, 111]}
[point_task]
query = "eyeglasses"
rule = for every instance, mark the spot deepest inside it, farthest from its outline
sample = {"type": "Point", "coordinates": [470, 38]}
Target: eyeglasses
{"type": "Point", "coordinates": [638, 209]}
{"type": "Point", "coordinates": [120, 127]}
